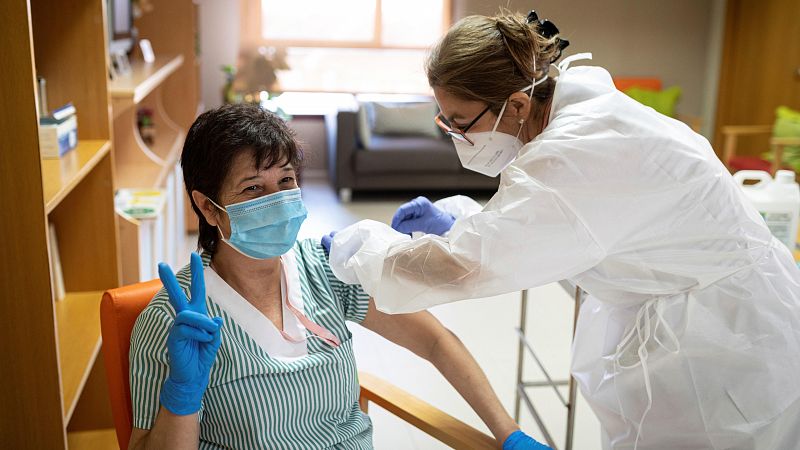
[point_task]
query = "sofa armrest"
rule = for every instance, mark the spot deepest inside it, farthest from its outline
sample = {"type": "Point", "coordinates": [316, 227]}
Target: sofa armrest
{"type": "Point", "coordinates": [341, 146]}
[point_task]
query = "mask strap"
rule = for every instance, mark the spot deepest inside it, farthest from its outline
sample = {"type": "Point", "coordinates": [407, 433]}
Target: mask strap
{"type": "Point", "coordinates": [564, 65]}
{"type": "Point", "coordinates": [505, 103]}
{"type": "Point", "coordinates": [222, 236]}
{"type": "Point", "coordinates": [218, 228]}
{"type": "Point", "coordinates": [499, 116]}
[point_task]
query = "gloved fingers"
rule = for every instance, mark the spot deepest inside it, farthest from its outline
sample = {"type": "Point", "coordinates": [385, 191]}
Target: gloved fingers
{"type": "Point", "coordinates": [422, 204]}
{"type": "Point", "coordinates": [400, 215]}
{"type": "Point", "coordinates": [518, 440]}
{"type": "Point", "coordinates": [408, 210]}
{"type": "Point", "coordinates": [176, 296]}
{"type": "Point", "coordinates": [327, 239]}
{"type": "Point", "coordinates": [217, 335]}
{"type": "Point", "coordinates": [184, 331]}
{"type": "Point", "coordinates": [197, 320]}
{"type": "Point", "coordinates": [209, 351]}
{"type": "Point", "coordinates": [198, 286]}
{"type": "Point", "coordinates": [408, 226]}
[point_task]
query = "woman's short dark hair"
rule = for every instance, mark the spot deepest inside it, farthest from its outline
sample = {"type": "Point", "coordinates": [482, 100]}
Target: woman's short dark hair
{"type": "Point", "coordinates": [214, 141]}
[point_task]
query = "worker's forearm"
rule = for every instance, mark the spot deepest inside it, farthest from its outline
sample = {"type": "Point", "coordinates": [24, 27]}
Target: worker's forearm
{"type": "Point", "coordinates": [462, 371]}
{"type": "Point", "coordinates": [171, 431]}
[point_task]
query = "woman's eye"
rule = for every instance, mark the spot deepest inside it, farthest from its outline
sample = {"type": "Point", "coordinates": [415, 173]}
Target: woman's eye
{"type": "Point", "coordinates": [251, 188]}
{"type": "Point", "coordinates": [287, 180]}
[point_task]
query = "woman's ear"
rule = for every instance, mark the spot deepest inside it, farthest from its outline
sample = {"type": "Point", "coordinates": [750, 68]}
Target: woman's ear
{"type": "Point", "coordinates": [519, 106]}
{"type": "Point", "coordinates": [207, 208]}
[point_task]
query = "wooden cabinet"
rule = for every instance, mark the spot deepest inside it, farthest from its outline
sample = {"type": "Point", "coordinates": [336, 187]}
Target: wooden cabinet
{"type": "Point", "coordinates": [760, 68]}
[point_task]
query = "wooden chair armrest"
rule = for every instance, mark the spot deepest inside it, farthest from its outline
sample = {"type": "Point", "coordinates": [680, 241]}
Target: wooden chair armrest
{"type": "Point", "coordinates": [730, 136]}
{"type": "Point", "coordinates": [738, 130]}
{"type": "Point", "coordinates": [422, 415]}
{"type": "Point", "coordinates": [777, 145]}
{"type": "Point", "coordinates": [785, 141]}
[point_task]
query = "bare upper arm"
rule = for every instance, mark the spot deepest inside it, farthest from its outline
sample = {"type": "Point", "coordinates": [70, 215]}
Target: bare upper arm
{"type": "Point", "coordinates": [417, 332]}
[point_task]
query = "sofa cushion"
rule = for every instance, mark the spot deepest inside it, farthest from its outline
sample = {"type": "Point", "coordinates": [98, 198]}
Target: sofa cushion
{"type": "Point", "coordinates": [406, 119]}
{"type": "Point", "coordinates": [391, 154]}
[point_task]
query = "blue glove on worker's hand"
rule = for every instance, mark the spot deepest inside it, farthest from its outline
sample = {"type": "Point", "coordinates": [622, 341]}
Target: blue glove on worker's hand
{"type": "Point", "coordinates": [326, 242]}
{"type": "Point", "coordinates": [192, 342]}
{"type": "Point", "coordinates": [521, 441]}
{"type": "Point", "coordinates": [421, 215]}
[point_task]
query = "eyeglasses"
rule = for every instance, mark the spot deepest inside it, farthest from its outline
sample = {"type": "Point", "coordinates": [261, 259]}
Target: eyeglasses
{"type": "Point", "coordinates": [454, 132]}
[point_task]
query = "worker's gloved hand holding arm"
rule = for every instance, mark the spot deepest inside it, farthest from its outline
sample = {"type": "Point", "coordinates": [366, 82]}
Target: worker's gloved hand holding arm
{"type": "Point", "coordinates": [521, 441]}
{"type": "Point", "coordinates": [326, 242]}
{"type": "Point", "coordinates": [192, 342]}
{"type": "Point", "coordinates": [422, 215]}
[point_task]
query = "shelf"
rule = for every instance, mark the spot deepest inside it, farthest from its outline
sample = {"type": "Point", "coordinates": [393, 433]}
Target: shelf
{"type": "Point", "coordinates": [143, 78]}
{"type": "Point", "coordinates": [149, 174]}
{"type": "Point", "coordinates": [93, 440]}
{"type": "Point", "coordinates": [60, 176]}
{"type": "Point", "coordinates": [78, 326]}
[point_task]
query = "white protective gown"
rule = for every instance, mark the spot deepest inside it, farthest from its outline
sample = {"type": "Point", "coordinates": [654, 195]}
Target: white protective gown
{"type": "Point", "coordinates": [692, 324]}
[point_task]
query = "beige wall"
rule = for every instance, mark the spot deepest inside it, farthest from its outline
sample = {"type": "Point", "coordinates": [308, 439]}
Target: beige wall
{"type": "Point", "coordinates": [667, 39]}
{"type": "Point", "coordinates": [219, 45]}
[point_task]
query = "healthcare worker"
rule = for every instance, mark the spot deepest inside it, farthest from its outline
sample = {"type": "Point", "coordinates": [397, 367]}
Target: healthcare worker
{"type": "Point", "coordinates": [690, 335]}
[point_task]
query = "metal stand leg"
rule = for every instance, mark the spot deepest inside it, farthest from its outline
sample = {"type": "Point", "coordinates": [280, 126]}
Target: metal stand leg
{"type": "Point", "coordinates": [573, 389]}
{"type": "Point", "coordinates": [520, 352]}
{"type": "Point", "coordinates": [522, 396]}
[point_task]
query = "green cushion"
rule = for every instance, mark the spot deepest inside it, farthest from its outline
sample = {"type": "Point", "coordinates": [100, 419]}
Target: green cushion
{"type": "Point", "coordinates": [662, 101]}
{"type": "Point", "coordinates": [787, 125]}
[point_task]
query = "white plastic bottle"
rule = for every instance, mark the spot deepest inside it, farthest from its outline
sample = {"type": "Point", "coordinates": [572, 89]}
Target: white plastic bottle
{"type": "Point", "coordinates": [778, 201]}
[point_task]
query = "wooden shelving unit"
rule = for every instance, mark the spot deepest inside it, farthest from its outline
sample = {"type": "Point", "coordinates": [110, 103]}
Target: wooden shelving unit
{"type": "Point", "coordinates": [52, 348]}
{"type": "Point", "coordinates": [78, 325]}
{"type": "Point", "coordinates": [54, 394]}
{"type": "Point", "coordinates": [148, 166]}
{"type": "Point", "coordinates": [59, 176]}
{"type": "Point", "coordinates": [140, 165]}
{"type": "Point", "coordinates": [144, 78]}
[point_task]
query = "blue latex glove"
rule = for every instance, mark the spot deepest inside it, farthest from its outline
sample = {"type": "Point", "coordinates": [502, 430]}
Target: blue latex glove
{"type": "Point", "coordinates": [421, 215]}
{"type": "Point", "coordinates": [192, 342]}
{"type": "Point", "coordinates": [521, 441]}
{"type": "Point", "coordinates": [326, 242]}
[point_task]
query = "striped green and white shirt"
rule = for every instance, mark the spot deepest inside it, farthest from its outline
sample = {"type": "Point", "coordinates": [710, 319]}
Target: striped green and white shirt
{"type": "Point", "coordinates": [265, 392]}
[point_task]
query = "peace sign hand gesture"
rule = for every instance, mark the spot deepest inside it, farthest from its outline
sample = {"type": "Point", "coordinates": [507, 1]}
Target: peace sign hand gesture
{"type": "Point", "coordinates": [192, 342]}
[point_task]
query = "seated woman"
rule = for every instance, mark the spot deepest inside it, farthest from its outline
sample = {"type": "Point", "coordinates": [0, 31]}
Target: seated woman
{"type": "Point", "coordinates": [273, 365]}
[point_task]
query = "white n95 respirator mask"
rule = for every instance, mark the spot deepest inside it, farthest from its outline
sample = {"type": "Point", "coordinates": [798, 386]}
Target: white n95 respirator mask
{"type": "Point", "coordinates": [491, 151]}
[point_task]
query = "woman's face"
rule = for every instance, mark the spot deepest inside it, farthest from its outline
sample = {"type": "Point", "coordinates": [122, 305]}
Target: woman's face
{"type": "Point", "coordinates": [460, 112]}
{"type": "Point", "coordinates": [245, 182]}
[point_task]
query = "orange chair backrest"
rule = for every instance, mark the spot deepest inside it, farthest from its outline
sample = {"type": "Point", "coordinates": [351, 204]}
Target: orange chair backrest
{"type": "Point", "coordinates": [653, 84]}
{"type": "Point", "coordinates": [118, 312]}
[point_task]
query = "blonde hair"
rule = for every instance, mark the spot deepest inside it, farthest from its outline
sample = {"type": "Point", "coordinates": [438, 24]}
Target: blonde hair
{"type": "Point", "coordinates": [488, 58]}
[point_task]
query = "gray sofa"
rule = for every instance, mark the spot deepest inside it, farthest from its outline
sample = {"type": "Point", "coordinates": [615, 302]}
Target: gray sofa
{"type": "Point", "coordinates": [400, 163]}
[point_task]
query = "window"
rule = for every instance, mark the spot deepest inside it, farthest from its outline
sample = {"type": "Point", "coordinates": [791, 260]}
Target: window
{"type": "Point", "coordinates": [348, 45]}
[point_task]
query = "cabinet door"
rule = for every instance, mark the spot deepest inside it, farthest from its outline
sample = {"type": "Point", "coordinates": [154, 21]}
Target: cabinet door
{"type": "Point", "coordinates": [760, 66]}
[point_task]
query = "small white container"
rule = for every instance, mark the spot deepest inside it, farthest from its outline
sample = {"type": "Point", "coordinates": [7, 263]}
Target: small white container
{"type": "Point", "coordinates": [778, 201]}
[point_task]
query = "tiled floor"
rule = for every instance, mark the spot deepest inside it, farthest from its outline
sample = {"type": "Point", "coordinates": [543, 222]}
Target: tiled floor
{"type": "Point", "coordinates": [486, 326]}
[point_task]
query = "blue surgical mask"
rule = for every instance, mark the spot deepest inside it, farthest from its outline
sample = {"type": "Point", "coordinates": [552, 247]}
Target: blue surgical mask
{"type": "Point", "coordinates": [265, 227]}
